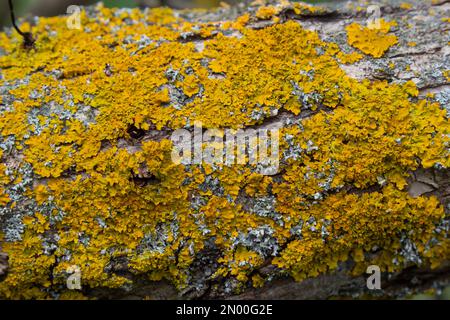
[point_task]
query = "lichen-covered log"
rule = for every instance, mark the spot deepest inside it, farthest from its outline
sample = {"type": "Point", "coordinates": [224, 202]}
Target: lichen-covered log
{"type": "Point", "coordinates": [87, 179]}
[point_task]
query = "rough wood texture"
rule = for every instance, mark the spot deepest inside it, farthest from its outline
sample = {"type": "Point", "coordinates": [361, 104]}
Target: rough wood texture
{"type": "Point", "coordinates": [88, 181]}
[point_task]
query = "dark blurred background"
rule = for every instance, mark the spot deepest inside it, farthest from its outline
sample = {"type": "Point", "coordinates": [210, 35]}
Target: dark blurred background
{"type": "Point", "coordinates": [24, 8]}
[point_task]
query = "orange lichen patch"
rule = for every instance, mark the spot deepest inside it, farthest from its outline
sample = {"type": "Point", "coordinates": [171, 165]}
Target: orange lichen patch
{"type": "Point", "coordinates": [103, 200]}
{"type": "Point", "coordinates": [257, 281]}
{"type": "Point", "coordinates": [383, 215]}
{"type": "Point", "coordinates": [4, 198]}
{"type": "Point", "coordinates": [29, 262]}
{"type": "Point", "coordinates": [241, 22]}
{"type": "Point", "coordinates": [240, 264]}
{"type": "Point", "coordinates": [361, 126]}
{"type": "Point", "coordinates": [406, 5]}
{"type": "Point", "coordinates": [349, 58]}
{"type": "Point", "coordinates": [374, 41]}
{"type": "Point", "coordinates": [268, 12]}
{"type": "Point", "coordinates": [447, 74]}
{"type": "Point", "coordinates": [303, 8]}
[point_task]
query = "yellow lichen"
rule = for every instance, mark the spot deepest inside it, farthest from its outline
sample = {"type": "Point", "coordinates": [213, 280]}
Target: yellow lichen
{"type": "Point", "coordinates": [405, 5]}
{"type": "Point", "coordinates": [374, 41]}
{"type": "Point", "coordinates": [380, 213]}
{"type": "Point", "coordinates": [71, 116]}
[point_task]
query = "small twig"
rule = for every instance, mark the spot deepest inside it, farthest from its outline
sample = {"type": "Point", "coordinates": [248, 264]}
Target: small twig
{"type": "Point", "coordinates": [28, 40]}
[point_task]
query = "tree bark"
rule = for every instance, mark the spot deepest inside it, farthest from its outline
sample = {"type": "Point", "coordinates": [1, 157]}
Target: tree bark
{"type": "Point", "coordinates": [424, 48]}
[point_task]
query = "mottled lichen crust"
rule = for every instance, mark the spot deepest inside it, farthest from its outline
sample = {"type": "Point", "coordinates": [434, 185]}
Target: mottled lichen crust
{"type": "Point", "coordinates": [77, 187]}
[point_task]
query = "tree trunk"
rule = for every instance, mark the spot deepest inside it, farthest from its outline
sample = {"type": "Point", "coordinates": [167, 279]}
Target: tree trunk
{"type": "Point", "coordinates": [41, 206]}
